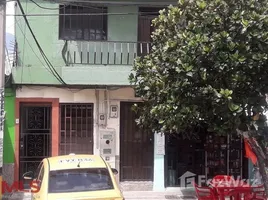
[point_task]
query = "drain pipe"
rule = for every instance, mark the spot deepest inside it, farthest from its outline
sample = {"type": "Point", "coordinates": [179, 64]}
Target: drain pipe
{"type": "Point", "coordinates": [97, 95]}
{"type": "Point", "coordinates": [108, 102]}
{"type": "Point", "coordinates": [106, 106]}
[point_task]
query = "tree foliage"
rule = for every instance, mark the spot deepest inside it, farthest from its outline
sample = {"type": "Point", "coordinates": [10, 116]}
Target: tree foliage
{"type": "Point", "coordinates": [208, 65]}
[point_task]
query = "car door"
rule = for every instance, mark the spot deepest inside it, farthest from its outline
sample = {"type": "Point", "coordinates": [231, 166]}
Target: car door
{"type": "Point", "coordinates": [37, 195]}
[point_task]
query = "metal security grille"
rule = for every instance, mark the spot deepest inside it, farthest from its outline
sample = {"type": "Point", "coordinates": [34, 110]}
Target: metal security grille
{"type": "Point", "coordinates": [76, 128]}
{"type": "Point", "coordinates": [76, 26]}
{"type": "Point", "coordinates": [136, 148]}
{"type": "Point", "coordinates": [35, 136]}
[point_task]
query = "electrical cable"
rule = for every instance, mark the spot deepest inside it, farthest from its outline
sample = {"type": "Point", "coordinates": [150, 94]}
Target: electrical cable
{"type": "Point", "coordinates": [80, 14]}
{"type": "Point", "coordinates": [10, 63]}
{"type": "Point", "coordinates": [46, 7]}
{"type": "Point", "coordinates": [33, 49]}
{"type": "Point", "coordinates": [86, 2]}
{"type": "Point", "coordinates": [23, 53]}
{"type": "Point", "coordinates": [62, 2]}
{"type": "Point", "coordinates": [82, 5]}
{"type": "Point", "coordinates": [55, 73]}
{"type": "Point", "coordinates": [8, 58]}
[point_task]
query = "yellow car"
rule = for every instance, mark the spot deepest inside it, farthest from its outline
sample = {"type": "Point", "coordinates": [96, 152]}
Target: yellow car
{"type": "Point", "coordinates": [71, 177]}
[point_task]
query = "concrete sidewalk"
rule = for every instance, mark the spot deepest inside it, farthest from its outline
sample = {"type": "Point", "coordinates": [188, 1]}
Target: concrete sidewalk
{"type": "Point", "coordinates": [151, 195]}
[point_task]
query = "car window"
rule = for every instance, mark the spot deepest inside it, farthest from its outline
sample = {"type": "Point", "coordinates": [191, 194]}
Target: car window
{"type": "Point", "coordinates": [37, 171]}
{"type": "Point", "coordinates": [78, 180]}
{"type": "Point", "coordinates": [40, 176]}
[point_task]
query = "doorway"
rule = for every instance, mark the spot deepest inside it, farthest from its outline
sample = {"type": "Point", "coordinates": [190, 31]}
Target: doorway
{"type": "Point", "coordinates": [34, 135]}
{"type": "Point", "coordinates": [182, 156]}
{"type": "Point", "coordinates": [208, 155]}
{"type": "Point", "coordinates": [136, 148]}
{"type": "Point", "coordinates": [76, 128]}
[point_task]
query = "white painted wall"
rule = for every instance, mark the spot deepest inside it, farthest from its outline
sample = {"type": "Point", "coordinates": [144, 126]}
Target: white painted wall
{"type": "Point", "coordinates": [86, 96]}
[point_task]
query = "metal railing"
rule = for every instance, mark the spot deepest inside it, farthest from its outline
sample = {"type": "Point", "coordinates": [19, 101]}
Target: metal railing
{"type": "Point", "coordinates": [103, 52]}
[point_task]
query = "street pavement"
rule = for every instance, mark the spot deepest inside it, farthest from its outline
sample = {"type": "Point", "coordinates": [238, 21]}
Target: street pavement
{"type": "Point", "coordinates": [129, 195]}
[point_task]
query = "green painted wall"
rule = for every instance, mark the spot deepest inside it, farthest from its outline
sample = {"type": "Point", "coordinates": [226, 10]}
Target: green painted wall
{"type": "Point", "coordinates": [123, 28]}
{"type": "Point", "coordinates": [32, 68]}
{"type": "Point", "coordinates": [9, 126]}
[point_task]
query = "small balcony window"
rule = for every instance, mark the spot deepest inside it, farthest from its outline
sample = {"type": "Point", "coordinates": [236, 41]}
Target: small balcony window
{"type": "Point", "coordinates": [82, 23]}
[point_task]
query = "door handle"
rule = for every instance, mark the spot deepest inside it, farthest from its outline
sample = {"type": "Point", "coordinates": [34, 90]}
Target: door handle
{"type": "Point", "coordinates": [21, 145]}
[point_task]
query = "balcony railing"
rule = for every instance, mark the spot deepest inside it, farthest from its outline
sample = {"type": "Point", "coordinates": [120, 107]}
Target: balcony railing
{"type": "Point", "coordinates": [103, 53]}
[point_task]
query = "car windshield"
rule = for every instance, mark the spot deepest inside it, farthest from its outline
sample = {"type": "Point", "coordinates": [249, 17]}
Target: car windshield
{"type": "Point", "coordinates": [79, 180]}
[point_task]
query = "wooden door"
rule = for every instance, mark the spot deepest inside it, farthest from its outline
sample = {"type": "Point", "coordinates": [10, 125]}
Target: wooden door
{"type": "Point", "coordinates": [136, 148]}
{"type": "Point", "coordinates": [145, 29]}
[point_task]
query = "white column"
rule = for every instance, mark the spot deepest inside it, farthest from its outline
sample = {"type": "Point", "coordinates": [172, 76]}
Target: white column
{"type": "Point", "coordinates": [159, 162]}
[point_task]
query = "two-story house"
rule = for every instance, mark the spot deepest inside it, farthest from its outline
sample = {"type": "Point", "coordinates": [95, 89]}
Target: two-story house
{"type": "Point", "coordinates": [73, 94]}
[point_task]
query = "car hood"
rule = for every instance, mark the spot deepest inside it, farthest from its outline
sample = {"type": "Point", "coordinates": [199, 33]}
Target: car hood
{"type": "Point", "coordinates": [96, 195]}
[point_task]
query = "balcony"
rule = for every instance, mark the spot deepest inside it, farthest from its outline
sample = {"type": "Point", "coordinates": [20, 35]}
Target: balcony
{"type": "Point", "coordinates": [103, 53]}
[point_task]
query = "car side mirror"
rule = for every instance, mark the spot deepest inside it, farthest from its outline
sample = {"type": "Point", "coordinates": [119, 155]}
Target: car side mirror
{"type": "Point", "coordinates": [114, 171]}
{"type": "Point", "coordinates": [28, 175]}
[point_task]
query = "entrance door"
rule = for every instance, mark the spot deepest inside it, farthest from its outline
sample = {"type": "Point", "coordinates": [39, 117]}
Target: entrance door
{"type": "Point", "coordinates": [76, 128]}
{"type": "Point", "coordinates": [183, 155]}
{"type": "Point", "coordinates": [136, 148]}
{"type": "Point", "coordinates": [35, 136]}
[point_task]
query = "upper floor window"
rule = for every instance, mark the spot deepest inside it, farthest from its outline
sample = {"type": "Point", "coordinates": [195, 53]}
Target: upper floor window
{"type": "Point", "coordinates": [76, 26]}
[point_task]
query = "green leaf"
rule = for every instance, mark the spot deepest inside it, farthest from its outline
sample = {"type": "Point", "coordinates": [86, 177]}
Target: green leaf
{"type": "Point", "coordinates": [181, 2]}
{"type": "Point", "coordinates": [146, 88]}
{"type": "Point", "coordinates": [233, 107]}
{"type": "Point", "coordinates": [241, 59]}
{"type": "Point", "coordinates": [188, 68]}
{"type": "Point", "coordinates": [206, 49]}
{"type": "Point", "coordinates": [179, 61]}
{"type": "Point", "coordinates": [190, 74]}
{"type": "Point", "coordinates": [245, 22]}
{"type": "Point", "coordinates": [201, 4]}
{"type": "Point", "coordinates": [161, 121]}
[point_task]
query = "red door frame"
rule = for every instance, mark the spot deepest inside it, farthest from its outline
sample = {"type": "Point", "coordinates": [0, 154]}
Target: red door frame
{"type": "Point", "coordinates": [54, 102]}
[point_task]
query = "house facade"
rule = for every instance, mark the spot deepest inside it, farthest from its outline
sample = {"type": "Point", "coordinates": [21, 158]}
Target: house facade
{"type": "Point", "coordinates": [73, 94]}
{"type": "Point", "coordinates": [72, 89]}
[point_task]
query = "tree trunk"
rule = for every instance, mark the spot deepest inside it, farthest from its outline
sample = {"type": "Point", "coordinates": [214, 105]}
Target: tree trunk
{"type": "Point", "coordinates": [263, 174]}
{"type": "Point", "coordinates": [261, 161]}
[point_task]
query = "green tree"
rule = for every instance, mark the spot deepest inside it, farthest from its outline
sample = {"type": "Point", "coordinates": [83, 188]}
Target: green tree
{"type": "Point", "coordinates": [208, 65]}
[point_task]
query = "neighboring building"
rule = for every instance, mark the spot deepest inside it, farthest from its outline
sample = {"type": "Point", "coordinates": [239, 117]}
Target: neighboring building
{"type": "Point", "coordinates": [92, 114]}
{"type": "Point", "coordinates": [10, 54]}
{"type": "Point", "coordinates": [9, 99]}
{"type": "Point", "coordinates": [9, 131]}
